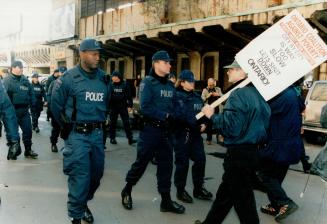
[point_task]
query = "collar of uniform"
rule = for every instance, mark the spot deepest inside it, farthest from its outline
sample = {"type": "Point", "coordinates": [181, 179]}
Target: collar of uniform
{"type": "Point", "coordinates": [89, 75]}
{"type": "Point", "coordinates": [162, 80]}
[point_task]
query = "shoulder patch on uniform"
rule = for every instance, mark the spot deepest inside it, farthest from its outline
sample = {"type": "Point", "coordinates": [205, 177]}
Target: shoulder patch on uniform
{"type": "Point", "coordinates": [142, 84]}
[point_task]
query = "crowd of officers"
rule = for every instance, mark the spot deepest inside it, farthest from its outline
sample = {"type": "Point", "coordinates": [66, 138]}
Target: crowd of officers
{"type": "Point", "coordinates": [82, 101]}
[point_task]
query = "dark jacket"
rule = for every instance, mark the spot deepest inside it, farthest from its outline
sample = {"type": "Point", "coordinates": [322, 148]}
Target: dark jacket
{"type": "Point", "coordinates": [156, 97]}
{"type": "Point", "coordinates": [187, 105]}
{"type": "Point", "coordinates": [284, 136]}
{"type": "Point", "coordinates": [245, 118]}
{"type": "Point", "coordinates": [120, 95]}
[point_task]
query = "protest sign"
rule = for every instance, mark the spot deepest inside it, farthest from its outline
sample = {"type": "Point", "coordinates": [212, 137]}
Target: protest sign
{"type": "Point", "coordinates": [279, 56]}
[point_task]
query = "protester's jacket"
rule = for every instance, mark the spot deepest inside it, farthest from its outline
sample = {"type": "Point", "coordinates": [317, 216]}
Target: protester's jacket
{"type": "Point", "coordinates": [187, 105]}
{"type": "Point", "coordinates": [120, 95]}
{"type": "Point", "coordinates": [156, 97]}
{"type": "Point", "coordinates": [245, 118]}
{"type": "Point", "coordinates": [284, 136]}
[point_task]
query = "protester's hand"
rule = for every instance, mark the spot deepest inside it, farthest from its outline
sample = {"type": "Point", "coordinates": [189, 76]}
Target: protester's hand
{"type": "Point", "coordinates": [208, 111]}
{"type": "Point", "coordinates": [215, 94]}
{"type": "Point", "coordinates": [202, 127]}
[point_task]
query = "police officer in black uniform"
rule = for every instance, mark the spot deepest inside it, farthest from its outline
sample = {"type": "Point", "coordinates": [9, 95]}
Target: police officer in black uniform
{"type": "Point", "coordinates": [120, 104]}
{"type": "Point", "coordinates": [39, 93]}
{"type": "Point", "coordinates": [21, 94]}
{"type": "Point", "coordinates": [79, 103]}
{"type": "Point", "coordinates": [53, 77]}
{"type": "Point", "coordinates": [55, 131]}
{"type": "Point", "coordinates": [188, 143]}
{"type": "Point", "coordinates": [7, 115]}
{"type": "Point", "coordinates": [156, 104]}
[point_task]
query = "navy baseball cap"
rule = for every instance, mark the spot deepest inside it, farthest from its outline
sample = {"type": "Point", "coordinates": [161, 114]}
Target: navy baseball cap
{"type": "Point", "coordinates": [35, 75]}
{"type": "Point", "coordinates": [161, 55]}
{"type": "Point", "coordinates": [117, 73]}
{"type": "Point", "coordinates": [187, 75]}
{"type": "Point", "coordinates": [15, 64]}
{"type": "Point", "coordinates": [90, 45]}
{"type": "Point", "coordinates": [233, 65]}
{"type": "Point", "coordinates": [62, 69]}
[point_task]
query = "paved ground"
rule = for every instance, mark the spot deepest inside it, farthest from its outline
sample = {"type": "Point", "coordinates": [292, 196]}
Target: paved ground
{"type": "Point", "coordinates": [35, 191]}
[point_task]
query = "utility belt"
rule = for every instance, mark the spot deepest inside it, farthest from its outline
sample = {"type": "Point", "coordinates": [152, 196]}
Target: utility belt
{"type": "Point", "coordinates": [86, 128]}
{"type": "Point", "coordinates": [21, 106]}
{"type": "Point", "coordinates": [247, 146]}
{"type": "Point", "coordinates": [156, 123]}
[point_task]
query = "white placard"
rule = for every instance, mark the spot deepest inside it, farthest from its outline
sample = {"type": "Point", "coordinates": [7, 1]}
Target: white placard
{"type": "Point", "coordinates": [282, 54]}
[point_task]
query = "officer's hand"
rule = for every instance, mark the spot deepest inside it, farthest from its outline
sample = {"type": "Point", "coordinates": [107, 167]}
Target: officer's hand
{"type": "Point", "coordinates": [202, 127]}
{"type": "Point", "coordinates": [14, 150]}
{"type": "Point", "coordinates": [208, 111]}
{"type": "Point", "coordinates": [129, 109]}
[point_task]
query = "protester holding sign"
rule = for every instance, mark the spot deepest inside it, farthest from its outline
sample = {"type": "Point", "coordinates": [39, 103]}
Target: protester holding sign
{"type": "Point", "coordinates": [243, 124]}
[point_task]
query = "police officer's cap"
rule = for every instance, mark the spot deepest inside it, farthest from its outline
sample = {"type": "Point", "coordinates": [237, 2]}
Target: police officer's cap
{"type": "Point", "coordinates": [117, 73]}
{"type": "Point", "coordinates": [90, 45]}
{"type": "Point", "coordinates": [162, 56]}
{"type": "Point", "coordinates": [15, 64]}
{"type": "Point", "coordinates": [35, 75]}
{"type": "Point", "coordinates": [62, 69]}
{"type": "Point", "coordinates": [233, 65]}
{"type": "Point", "coordinates": [187, 75]}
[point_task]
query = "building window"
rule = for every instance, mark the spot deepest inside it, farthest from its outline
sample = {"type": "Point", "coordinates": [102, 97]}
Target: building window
{"type": "Point", "coordinates": [91, 7]}
{"type": "Point", "coordinates": [121, 65]}
{"type": "Point", "coordinates": [185, 64]}
{"type": "Point", "coordinates": [112, 66]}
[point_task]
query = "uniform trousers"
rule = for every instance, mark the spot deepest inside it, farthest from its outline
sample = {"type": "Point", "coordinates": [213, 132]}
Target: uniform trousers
{"type": "Point", "coordinates": [84, 165]}
{"type": "Point", "coordinates": [153, 140]}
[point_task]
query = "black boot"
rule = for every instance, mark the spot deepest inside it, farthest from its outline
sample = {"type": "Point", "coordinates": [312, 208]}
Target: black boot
{"type": "Point", "coordinates": [202, 193]}
{"type": "Point", "coordinates": [54, 148]}
{"type": "Point", "coordinates": [113, 141]}
{"type": "Point", "coordinates": [131, 141]}
{"type": "Point", "coordinates": [88, 217]}
{"type": "Point", "coordinates": [126, 197]}
{"type": "Point", "coordinates": [171, 206]}
{"type": "Point", "coordinates": [184, 196]}
{"type": "Point", "coordinates": [29, 153]}
{"type": "Point", "coordinates": [37, 130]}
{"type": "Point", "coordinates": [76, 221]}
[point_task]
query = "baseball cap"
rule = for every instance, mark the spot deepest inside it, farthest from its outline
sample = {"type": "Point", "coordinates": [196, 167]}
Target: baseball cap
{"type": "Point", "coordinates": [90, 45]}
{"type": "Point", "coordinates": [35, 75]}
{"type": "Point", "coordinates": [17, 64]}
{"type": "Point", "coordinates": [187, 75]}
{"type": "Point", "coordinates": [161, 55]}
{"type": "Point", "coordinates": [62, 69]}
{"type": "Point", "coordinates": [117, 73]}
{"type": "Point", "coordinates": [233, 65]}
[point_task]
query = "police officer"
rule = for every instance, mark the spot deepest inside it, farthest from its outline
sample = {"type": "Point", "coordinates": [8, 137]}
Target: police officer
{"type": "Point", "coordinates": [21, 94]}
{"type": "Point", "coordinates": [79, 102]}
{"type": "Point", "coordinates": [244, 125]}
{"type": "Point", "coordinates": [39, 93]}
{"type": "Point", "coordinates": [156, 105]}
{"type": "Point", "coordinates": [7, 115]}
{"type": "Point", "coordinates": [53, 77]}
{"type": "Point", "coordinates": [188, 142]}
{"type": "Point", "coordinates": [120, 104]}
{"type": "Point", "coordinates": [55, 131]}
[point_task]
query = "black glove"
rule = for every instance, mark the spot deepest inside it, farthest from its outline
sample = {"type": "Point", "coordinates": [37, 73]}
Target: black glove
{"type": "Point", "coordinates": [14, 150]}
{"type": "Point", "coordinates": [66, 127]}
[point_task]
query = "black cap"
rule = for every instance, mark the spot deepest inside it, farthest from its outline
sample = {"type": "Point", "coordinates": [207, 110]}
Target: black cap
{"type": "Point", "coordinates": [62, 69]}
{"type": "Point", "coordinates": [118, 74]}
{"type": "Point", "coordinates": [35, 75]}
{"type": "Point", "coordinates": [90, 45]}
{"type": "Point", "coordinates": [162, 56]}
{"type": "Point", "coordinates": [15, 64]}
{"type": "Point", "coordinates": [187, 75]}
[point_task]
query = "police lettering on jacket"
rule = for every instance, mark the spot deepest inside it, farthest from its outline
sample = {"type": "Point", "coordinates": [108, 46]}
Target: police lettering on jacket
{"type": "Point", "coordinates": [166, 93]}
{"type": "Point", "coordinates": [92, 96]}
